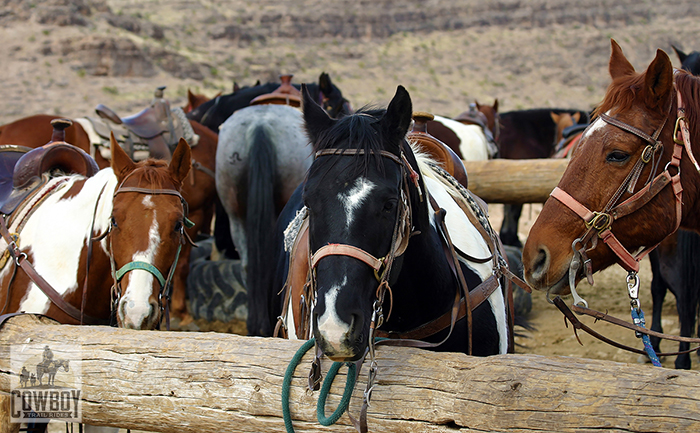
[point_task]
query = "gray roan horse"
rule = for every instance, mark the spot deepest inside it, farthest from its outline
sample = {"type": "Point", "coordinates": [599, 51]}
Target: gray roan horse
{"type": "Point", "coordinates": [263, 155]}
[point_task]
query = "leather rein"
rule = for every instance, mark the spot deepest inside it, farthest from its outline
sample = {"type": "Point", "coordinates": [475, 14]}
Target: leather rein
{"type": "Point", "coordinates": [599, 225]}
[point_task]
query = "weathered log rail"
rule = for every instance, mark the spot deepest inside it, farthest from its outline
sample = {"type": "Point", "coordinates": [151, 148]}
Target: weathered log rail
{"type": "Point", "coordinates": [208, 382]}
{"type": "Point", "coordinates": [514, 181]}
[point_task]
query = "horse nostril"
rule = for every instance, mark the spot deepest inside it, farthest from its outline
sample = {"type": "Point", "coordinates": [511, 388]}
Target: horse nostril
{"type": "Point", "coordinates": [153, 315]}
{"type": "Point", "coordinates": [541, 262]}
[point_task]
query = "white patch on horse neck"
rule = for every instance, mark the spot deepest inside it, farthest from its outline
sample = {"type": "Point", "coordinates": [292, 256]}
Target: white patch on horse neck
{"type": "Point", "coordinates": [330, 325]}
{"type": "Point", "coordinates": [498, 308]}
{"type": "Point", "coordinates": [353, 198]}
{"type": "Point", "coordinates": [56, 232]}
{"type": "Point", "coordinates": [473, 142]}
{"type": "Point", "coordinates": [135, 299]}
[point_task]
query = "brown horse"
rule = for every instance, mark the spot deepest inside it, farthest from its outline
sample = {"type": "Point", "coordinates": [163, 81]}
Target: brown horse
{"type": "Point", "coordinates": [194, 100]}
{"type": "Point", "coordinates": [612, 190]}
{"type": "Point", "coordinates": [34, 131]}
{"type": "Point", "coordinates": [198, 190]}
{"type": "Point", "coordinates": [126, 221]}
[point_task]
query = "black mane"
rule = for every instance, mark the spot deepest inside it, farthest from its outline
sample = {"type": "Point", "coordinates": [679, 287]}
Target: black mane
{"type": "Point", "coordinates": [360, 130]}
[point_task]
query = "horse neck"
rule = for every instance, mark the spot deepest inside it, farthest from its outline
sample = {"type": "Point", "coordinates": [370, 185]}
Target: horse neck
{"type": "Point", "coordinates": [423, 266]}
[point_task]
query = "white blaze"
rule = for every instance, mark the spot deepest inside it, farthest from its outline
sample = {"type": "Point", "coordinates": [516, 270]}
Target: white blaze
{"type": "Point", "coordinates": [134, 304]}
{"type": "Point", "coordinates": [330, 325]}
{"type": "Point", "coordinates": [354, 197]}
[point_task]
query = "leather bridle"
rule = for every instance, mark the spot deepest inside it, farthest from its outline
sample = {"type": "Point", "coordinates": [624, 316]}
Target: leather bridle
{"type": "Point", "coordinates": [599, 224]}
{"type": "Point", "coordinates": [165, 283]}
{"type": "Point", "coordinates": [399, 242]}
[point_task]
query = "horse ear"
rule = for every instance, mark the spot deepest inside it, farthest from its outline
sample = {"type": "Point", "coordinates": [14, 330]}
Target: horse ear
{"type": "Point", "coordinates": [257, 83]}
{"type": "Point", "coordinates": [316, 120]}
{"type": "Point", "coordinates": [495, 105]}
{"type": "Point", "coordinates": [619, 65]}
{"type": "Point", "coordinates": [658, 80]}
{"type": "Point", "coordinates": [681, 55]}
{"type": "Point", "coordinates": [236, 87]}
{"type": "Point", "coordinates": [122, 165]}
{"type": "Point", "coordinates": [190, 97]}
{"type": "Point", "coordinates": [398, 114]}
{"type": "Point", "coordinates": [181, 163]}
{"type": "Point", "coordinates": [325, 84]}
{"type": "Point", "coordinates": [555, 117]}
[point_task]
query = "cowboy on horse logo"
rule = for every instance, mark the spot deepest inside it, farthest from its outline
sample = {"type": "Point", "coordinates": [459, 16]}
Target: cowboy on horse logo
{"type": "Point", "coordinates": [36, 395]}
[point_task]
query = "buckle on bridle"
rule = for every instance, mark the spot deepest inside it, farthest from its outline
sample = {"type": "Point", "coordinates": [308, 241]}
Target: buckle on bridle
{"type": "Point", "coordinates": [382, 268]}
{"type": "Point", "coordinates": [601, 221]}
{"type": "Point", "coordinates": [675, 130]}
{"type": "Point", "coordinates": [648, 153]}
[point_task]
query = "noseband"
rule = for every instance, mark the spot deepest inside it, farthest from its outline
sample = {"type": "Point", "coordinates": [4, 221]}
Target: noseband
{"type": "Point", "coordinates": [165, 283]}
{"type": "Point", "coordinates": [600, 223]}
{"type": "Point", "coordinates": [401, 233]}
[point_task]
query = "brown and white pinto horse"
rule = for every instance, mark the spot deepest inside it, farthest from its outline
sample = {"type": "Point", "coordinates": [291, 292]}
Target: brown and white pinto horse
{"type": "Point", "coordinates": [628, 184]}
{"type": "Point", "coordinates": [138, 210]}
{"type": "Point", "coordinates": [472, 134]}
{"type": "Point", "coordinates": [198, 190]}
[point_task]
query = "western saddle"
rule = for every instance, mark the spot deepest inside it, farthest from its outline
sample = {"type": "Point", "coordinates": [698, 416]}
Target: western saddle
{"type": "Point", "coordinates": [153, 132]}
{"type": "Point", "coordinates": [285, 94]}
{"type": "Point", "coordinates": [27, 168]}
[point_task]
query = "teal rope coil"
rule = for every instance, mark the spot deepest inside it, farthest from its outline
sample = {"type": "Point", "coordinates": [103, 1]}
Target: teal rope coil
{"type": "Point", "coordinates": [344, 402]}
{"type": "Point", "coordinates": [287, 382]}
{"type": "Point", "coordinates": [327, 383]}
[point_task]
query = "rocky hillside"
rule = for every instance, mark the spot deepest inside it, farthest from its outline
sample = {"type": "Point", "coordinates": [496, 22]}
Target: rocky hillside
{"type": "Point", "coordinates": [66, 56]}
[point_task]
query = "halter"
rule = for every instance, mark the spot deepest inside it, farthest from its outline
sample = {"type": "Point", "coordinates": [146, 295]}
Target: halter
{"type": "Point", "coordinates": [165, 283]}
{"type": "Point", "coordinates": [400, 237]}
{"type": "Point", "coordinates": [600, 223]}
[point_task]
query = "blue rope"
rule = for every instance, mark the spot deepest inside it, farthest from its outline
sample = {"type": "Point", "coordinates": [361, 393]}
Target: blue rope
{"type": "Point", "coordinates": [638, 318]}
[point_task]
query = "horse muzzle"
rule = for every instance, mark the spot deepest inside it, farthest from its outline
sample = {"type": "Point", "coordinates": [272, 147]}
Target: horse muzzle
{"type": "Point", "coordinates": [341, 343]}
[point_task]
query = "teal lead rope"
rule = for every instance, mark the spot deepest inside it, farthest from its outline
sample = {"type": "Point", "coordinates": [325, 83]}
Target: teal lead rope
{"type": "Point", "coordinates": [328, 381]}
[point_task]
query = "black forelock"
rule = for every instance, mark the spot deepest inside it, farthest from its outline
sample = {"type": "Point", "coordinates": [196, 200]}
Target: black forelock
{"type": "Point", "coordinates": [361, 130]}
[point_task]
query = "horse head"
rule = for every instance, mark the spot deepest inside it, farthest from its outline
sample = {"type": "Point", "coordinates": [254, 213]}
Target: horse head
{"type": "Point", "coordinates": [563, 120]}
{"type": "Point", "coordinates": [331, 98]}
{"type": "Point", "coordinates": [492, 118]}
{"type": "Point", "coordinates": [622, 185]}
{"type": "Point", "coordinates": [358, 209]}
{"type": "Point", "coordinates": [689, 62]}
{"type": "Point", "coordinates": [146, 233]}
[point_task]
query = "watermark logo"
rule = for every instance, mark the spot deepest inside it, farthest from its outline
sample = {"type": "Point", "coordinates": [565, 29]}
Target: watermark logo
{"type": "Point", "coordinates": [46, 383]}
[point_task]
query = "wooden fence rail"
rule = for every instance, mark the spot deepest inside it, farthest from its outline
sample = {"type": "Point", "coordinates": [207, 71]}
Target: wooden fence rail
{"type": "Point", "coordinates": [514, 181]}
{"type": "Point", "coordinates": [208, 382]}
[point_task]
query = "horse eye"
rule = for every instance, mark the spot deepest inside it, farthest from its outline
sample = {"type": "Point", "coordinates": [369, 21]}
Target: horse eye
{"type": "Point", "coordinates": [389, 205]}
{"type": "Point", "coordinates": [113, 222]}
{"type": "Point", "coordinates": [178, 226]}
{"type": "Point", "coordinates": [617, 156]}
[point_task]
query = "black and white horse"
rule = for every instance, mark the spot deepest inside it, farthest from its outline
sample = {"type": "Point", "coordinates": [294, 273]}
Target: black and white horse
{"type": "Point", "coordinates": [368, 196]}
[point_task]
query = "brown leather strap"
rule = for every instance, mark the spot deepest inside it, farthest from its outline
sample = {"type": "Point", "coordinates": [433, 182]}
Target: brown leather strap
{"type": "Point", "coordinates": [571, 317]}
{"type": "Point", "coordinates": [346, 250]}
{"type": "Point", "coordinates": [20, 260]}
{"type": "Point", "coordinates": [616, 321]}
{"type": "Point", "coordinates": [476, 298]}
